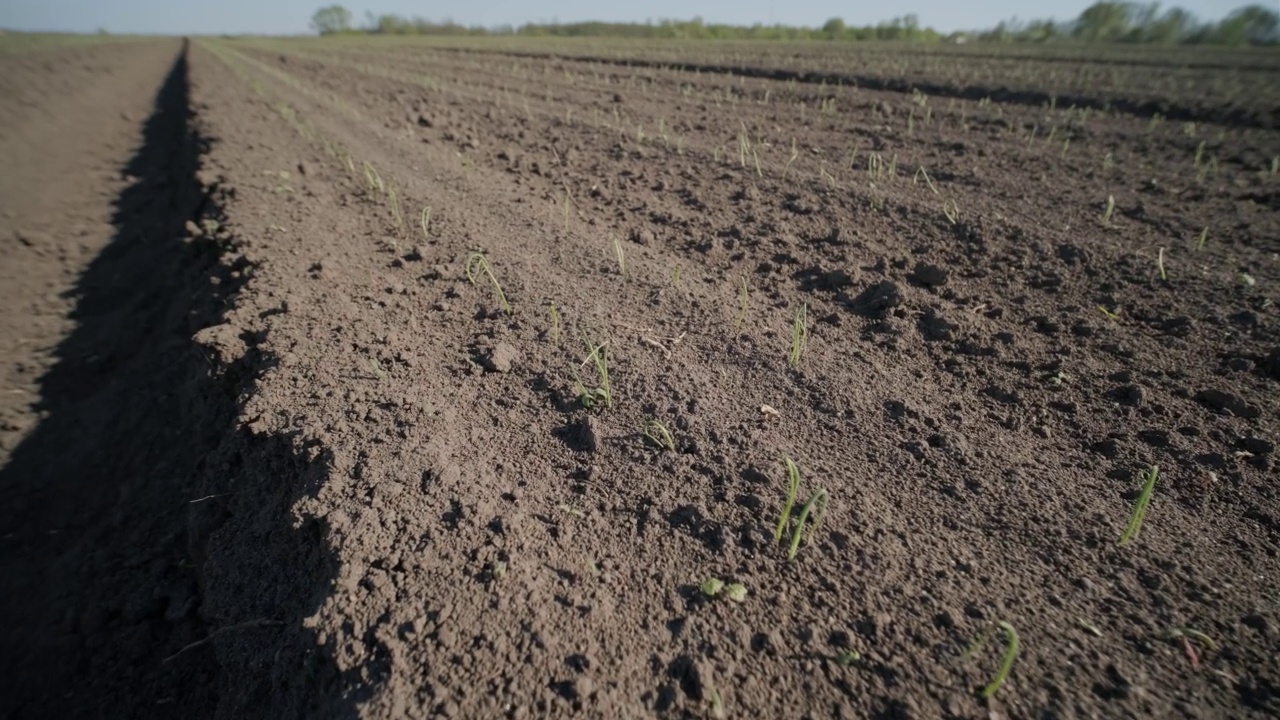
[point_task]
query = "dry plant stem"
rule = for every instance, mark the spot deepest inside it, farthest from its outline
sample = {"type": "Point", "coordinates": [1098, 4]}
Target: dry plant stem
{"type": "Point", "coordinates": [259, 623]}
{"type": "Point", "coordinates": [742, 307]}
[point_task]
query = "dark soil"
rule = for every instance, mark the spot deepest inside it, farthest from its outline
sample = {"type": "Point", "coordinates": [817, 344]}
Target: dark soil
{"type": "Point", "coordinates": [275, 456]}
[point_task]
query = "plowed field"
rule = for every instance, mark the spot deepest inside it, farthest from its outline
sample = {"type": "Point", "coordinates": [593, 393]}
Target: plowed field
{"type": "Point", "coordinates": [391, 378]}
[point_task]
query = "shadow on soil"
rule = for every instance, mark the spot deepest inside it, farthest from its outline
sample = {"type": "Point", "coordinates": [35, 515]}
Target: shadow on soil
{"type": "Point", "coordinates": [124, 598]}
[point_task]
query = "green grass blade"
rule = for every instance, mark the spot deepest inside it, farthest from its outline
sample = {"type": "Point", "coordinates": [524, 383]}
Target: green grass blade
{"type": "Point", "coordinates": [793, 487]}
{"type": "Point", "coordinates": [1134, 527]}
{"type": "Point", "coordinates": [818, 501]}
{"type": "Point", "coordinates": [1006, 665]}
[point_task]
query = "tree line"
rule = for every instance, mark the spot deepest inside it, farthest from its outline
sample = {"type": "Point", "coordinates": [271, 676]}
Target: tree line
{"type": "Point", "coordinates": [1115, 22]}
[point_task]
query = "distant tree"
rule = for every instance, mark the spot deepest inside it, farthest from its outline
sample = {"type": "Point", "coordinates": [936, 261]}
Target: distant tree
{"type": "Point", "coordinates": [1104, 21]}
{"type": "Point", "coordinates": [1039, 31]}
{"type": "Point", "coordinates": [332, 19]}
{"type": "Point", "coordinates": [1174, 26]}
{"type": "Point", "coordinates": [1254, 25]}
{"type": "Point", "coordinates": [834, 28]}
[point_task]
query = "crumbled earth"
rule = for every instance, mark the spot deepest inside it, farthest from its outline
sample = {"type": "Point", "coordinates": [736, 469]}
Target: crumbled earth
{"type": "Point", "coordinates": [276, 442]}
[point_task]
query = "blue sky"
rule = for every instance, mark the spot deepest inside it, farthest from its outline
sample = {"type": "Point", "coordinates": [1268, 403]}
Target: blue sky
{"type": "Point", "coordinates": [292, 16]}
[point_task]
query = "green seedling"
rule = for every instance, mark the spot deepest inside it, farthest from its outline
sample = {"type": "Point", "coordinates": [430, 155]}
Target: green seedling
{"type": "Point", "coordinates": [1199, 153]}
{"type": "Point", "coordinates": [1006, 665]}
{"type": "Point", "coordinates": [712, 587]}
{"type": "Point", "coordinates": [817, 505]}
{"type": "Point", "coordinates": [424, 220]}
{"type": "Point", "coordinates": [677, 277]}
{"type": "Point", "coordinates": [498, 570]}
{"type": "Point", "coordinates": [377, 369]}
{"type": "Point", "coordinates": [1084, 623]}
{"type": "Point", "coordinates": [555, 324]}
{"type": "Point", "coordinates": [1134, 526]}
{"type": "Point", "coordinates": [831, 179]}
{"type": "Point", "coordinates": [951, 210]}
{"type": "Point", "coordinates": [598, 356]}
{"type": "Point", "coordinates": [922, 173]}
{"type": "Point", "coordinates": [1186, 635]}
{"type": "Point", "coordinates": [1204, 236]}
{"type": "Point", "coordinates": [1110, 315]}
{"type": "Point", "coordinates": [617, 250]}
{"type": "Point", "coordinates": [736, 592]}
{"type": "Point", "coordinates": [1066, 145]}
{"type": "Point", "coordinates": [717, 704]}
{"type": "Point", "coordinates": [658, 433]}
{"type": "Point", "coordinates": [799, 334]}
{"type": "Point", "coordinates": [373, 178]}
{"type": "Point", "coordinates": [394, 197]}
{"type": "Point", "coordinates": [478, 263]}
{"type": "Point", "coordinates": [848, 657]}
{"type": "Point", "coordinates": [1111, 208]}
{"type": "Point", "coordinates": [742, 306]}
{"type": "Point", "coordinates": [1160, 265]}
{"type": "Point", "coordinates": [794, 154]}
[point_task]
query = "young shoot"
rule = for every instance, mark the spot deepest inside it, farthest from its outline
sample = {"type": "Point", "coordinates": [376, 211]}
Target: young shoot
{"type": "Point", "coordinates": [424, 220]}
{"type": "Point", "coordinates": [951, 210]}
{"type": "Point", "coordinates": [1006, 664]}
{"type": "Point", "coordinates": [1134, 526]}
{"type": "Point", "coordinates": [394, 196]}
{"type": "Point", "coordinates": [1160, 265]}
{"type": "Point", "coordinates": [792, 158]}
{"type": "Point", "coordinates": [922, 173]}
{"type": "Point", "coordinates": [597, 356]}
{"type": "Point", "coordinates": [816, 506]}
{"type": "Point", "coordinates": [1111, 208]}
{"type": "Point", "coordinates": [478, 264]}
{"type": "Point", "coordinates": [1186, 635]}
{"type": "Point", "coordinates": [373, 178]}
{"type": "Point", "coordinates": [656, 431]}
{"type": "Point", "coordinates": [617, 251]}
{"type": "Point", "coordinates": [799, 334]}
{"type": "Point", "coordinates": [1204, 235]}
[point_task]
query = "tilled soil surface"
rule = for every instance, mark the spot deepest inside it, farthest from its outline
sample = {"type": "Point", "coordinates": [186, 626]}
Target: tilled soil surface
{"type": "Point", "coordinates": [270, 452]}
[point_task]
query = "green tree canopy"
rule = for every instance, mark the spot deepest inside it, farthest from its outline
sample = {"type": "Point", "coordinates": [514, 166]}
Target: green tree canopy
{"type": "Point", "coordinates": [1255, 25]}
{"type": "Point", "coordinates": [332, 19]}
{"type": "Point", "coordinates": [1104, 21]}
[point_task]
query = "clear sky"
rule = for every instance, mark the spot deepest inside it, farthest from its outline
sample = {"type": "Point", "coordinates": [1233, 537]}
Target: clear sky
{"type": "Point", "coordinates": [293, 16]}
